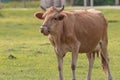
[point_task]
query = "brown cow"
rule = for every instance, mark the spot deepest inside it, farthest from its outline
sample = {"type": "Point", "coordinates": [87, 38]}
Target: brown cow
{"type": "Point", "coordinates": [81, 31]}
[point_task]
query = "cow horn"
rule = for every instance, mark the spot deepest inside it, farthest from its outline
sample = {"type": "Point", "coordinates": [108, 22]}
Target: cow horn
{"type": "Point", "coordinates": [61, 9]}
{"type": "Point", "coordinates": [42, 8]}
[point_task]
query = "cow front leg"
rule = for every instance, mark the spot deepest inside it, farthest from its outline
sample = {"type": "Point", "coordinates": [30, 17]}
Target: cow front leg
{"type": "Point", "coordinates": [74, 59]}
{"type": "Point", "coordinates": [90, 57]}
{"type": "Point", "coordinates": [60, 56]}
{"type": "Point", "coordinates": [60, 67]}
{"type": "Point", "coordinates": [73, 65]}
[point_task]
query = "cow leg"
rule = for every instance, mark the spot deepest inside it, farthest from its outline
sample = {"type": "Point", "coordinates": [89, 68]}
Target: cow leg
{"type": "Point", "coordinates": [74, 59]}
{"type": "Point", "coordinates": [105, 60]}
{"type": "Point", "coordinates": [73, 65]}
{"type": "Point", "coordinates": [91, 57]}
{"type": "Point", "coordinates": [60, 62]}
{"type": "Point", "coordinates": [60, 67]}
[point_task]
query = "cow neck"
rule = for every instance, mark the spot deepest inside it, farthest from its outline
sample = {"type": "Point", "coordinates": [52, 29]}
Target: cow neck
{"type": "Point", "coordinates": [59, 35]}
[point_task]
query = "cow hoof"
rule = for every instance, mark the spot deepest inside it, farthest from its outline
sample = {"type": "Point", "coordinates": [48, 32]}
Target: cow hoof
{"type": "Point", "coordinates": [110, 77]}
{"type": "Point", "coordinates": [88, 79]}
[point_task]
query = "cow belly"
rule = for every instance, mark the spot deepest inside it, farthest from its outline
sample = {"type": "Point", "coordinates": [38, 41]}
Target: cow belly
{"type": "Point", "coordinates": [84, 48]}
{"type": "Point", "coordinates": [89, 39]}
{"type": "Point", "coordinates": [89, 42]}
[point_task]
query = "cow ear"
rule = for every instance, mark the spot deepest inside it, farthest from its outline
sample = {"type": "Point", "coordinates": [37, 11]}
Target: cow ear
{"type": "Point", "coordinates": [61, 17]}
{"type": "Point", "coordinates": [39, 15]}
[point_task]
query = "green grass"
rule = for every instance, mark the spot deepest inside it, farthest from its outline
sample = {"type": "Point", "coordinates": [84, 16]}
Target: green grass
{"type": "Point", "coordinates": [35, 58]}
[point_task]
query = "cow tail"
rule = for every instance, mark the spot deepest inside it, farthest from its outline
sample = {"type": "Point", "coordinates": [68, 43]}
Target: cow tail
{"type": "Point", "coordinates": [104, 58]}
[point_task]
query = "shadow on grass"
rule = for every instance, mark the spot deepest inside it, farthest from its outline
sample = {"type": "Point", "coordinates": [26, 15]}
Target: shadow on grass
{"type": "Point", "coordinates": [113, 21]}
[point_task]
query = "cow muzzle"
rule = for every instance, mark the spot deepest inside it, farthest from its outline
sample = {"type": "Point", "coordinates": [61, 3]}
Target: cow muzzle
{"type": "Point", "coordinates": [45, 30]}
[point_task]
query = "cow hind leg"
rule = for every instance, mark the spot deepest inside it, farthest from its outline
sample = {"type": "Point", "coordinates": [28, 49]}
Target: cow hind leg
{"type": "Point", "coordinates": [105, 60]}
{"type": "Point", "coordinates": [91, 57]}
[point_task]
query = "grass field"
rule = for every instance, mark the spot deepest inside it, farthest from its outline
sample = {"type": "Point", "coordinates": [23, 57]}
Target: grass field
{"type": "Point", "coordinates": [34, 58]}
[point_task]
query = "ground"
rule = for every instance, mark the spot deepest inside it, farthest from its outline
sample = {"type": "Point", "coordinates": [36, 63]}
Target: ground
{"type": "Point", "coordinates": [33, 56]}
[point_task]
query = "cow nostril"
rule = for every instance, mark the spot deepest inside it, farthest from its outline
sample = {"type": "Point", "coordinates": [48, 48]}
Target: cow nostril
{"type": "Point", "coordinates": [49, 31]}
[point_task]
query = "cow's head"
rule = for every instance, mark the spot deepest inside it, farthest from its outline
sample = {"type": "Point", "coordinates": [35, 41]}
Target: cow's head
{"type": "Point", "coordinates": [51, 18]}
